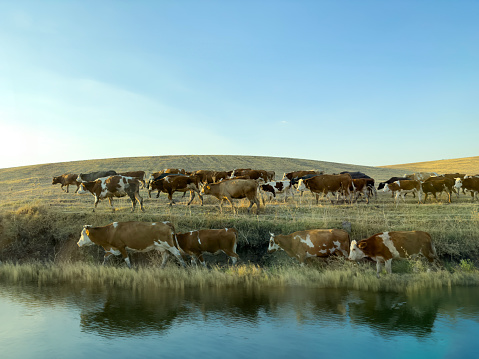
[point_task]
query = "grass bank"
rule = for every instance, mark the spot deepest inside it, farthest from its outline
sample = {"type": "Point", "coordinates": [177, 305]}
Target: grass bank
{"type": "Point", "coordinates": [340, 275]}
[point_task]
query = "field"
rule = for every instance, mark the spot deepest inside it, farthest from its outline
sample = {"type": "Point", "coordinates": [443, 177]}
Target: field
{"type": "Point", "coordinates": [41, 224]}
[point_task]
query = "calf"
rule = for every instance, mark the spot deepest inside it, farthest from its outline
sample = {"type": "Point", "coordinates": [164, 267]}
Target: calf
{"type": "Point", "coordinates": [66, 179]}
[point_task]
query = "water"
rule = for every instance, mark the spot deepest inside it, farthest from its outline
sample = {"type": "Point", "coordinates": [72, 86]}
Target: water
{"type": "Point", "coordinates": [76, 322]}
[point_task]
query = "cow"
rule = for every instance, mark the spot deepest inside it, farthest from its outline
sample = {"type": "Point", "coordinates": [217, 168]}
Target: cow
{"type": "Point", "coordinates": [158, 177]}
{"type": "Point", "coordinates": [469, 184]}
{"type": "Point", "coordinates": [220, 175]}
{"type": "Point", "coordinates": [140, 175]}
{"type": "Point", "coordinates": [66, 179]}
{"type": "Point", "coordinates": [205, 176]}
{"type": "Point", "coordinates": [234, 189]}
{"type": "Point", "coordinates": [270, 176]}
{"type": "Point", "coordinates": [385, 246]}
{"type": "Point", "coordinates": [391, 180]}
{"type": "Point", "coordinates": [92, 176]}
{"type": "Point", "coordinates": [120, 237]}
{"type": "Point", "coordinates": [326, 184]}
{"type": "Point", "coordinates": [311, 243]}
{"type": "Point", "coordinates": [113, 186]}
{"type": "Point", "coordinates": [355, 175]}
{"type": "Point", "coordinates": [361, 186]}
{"type": "Point", "coordinates": [420, 176]}
{"type": "Point", "coordinates": [176, 183]}
{"type": "Point", "coordinates": [401, 187]}
{"type": "Point", "coordinates": [298, 174]}
{"type": "Point", "coordinates": [437, 184]}
{"type": "Point", "coordinates": [275, 187]}
{"type": "Point", "coordinates": [195, 243]}
{"type": "Point", "coordinates": [260, 175]}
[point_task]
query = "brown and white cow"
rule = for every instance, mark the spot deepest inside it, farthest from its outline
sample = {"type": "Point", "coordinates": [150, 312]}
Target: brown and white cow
{"type": "Point", "coordinates": [234, 189]}
{"type": "Point", "coordinates": [120, 237]}
{"type": "Point", "coordinates": [312, 243]}
{"type": "Point", "coordinates": [401, 187]}
{"type": "Point", "coordinates": [276, 187]}
{"type": "Point", "coordinates": [468, 184]}
{"type": "Point", "coordinates": [113, 186]}
{"type": "Point", "coordinates": [386, 246]}
{"type": "Point", "coordinates": [436, 185]}
{"type": "Point", "coordinates": [328, 184]}
{"type": "Point", "coordinates": [195, 243]}
{"type": "Point", "coordinates": [363, 186]}
{"type": "Point", "coordinates": [67, 179]}
{"type": "Point", "coordinates": [177, 183]}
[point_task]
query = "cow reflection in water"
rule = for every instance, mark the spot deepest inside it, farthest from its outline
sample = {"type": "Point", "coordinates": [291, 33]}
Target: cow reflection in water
{"type": "Point", "coordinates": [124, 313]}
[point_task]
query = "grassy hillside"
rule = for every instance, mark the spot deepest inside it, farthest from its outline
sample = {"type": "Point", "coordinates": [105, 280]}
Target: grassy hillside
{"type": "Point", "coordinates": [22, 185]}
{"type": "Point", "coordinates": [467, 165]}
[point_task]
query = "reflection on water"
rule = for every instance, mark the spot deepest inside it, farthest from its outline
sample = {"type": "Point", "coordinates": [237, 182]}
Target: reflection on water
{"type": "Point", "coordinates": [236, 322]}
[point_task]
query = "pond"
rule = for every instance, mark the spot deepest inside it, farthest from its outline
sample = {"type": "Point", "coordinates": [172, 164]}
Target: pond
{"type": "Point", "coordinates": [77, 322]}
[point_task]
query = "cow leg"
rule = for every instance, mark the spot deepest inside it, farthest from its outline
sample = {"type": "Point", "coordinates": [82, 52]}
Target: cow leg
{"type": "Point", "coordinates": [78, 187]}
{"type": "Point", "coordinates": [96, 203]}
{"type": "Point", "coordinates": [233, 206]}
{"type": "Point", "coordinates": [106, 257]}
{"type": "Point", "coordinates": [110, 199]}
{"type": "Point", "coordinates": [388, 266]}
{"type": "Point", "coordinates": [170, 197]}
{"type": "Point", "coordinates": [232, 255]}
{"type": "Point", "coordinates": [378, 268]}
{"type": "Point", "coordinates": [192, 196]}
{"type": "Point", "coordinates": [124, 254]}
{"type": "Point", "coordinates": [202, 260]}
{"type": "Point", "coordinates": [177, 254]}
{"type": "Point", "coordinates": [165, 256]}
{"type": "Point", "coordinates": [139, 199]}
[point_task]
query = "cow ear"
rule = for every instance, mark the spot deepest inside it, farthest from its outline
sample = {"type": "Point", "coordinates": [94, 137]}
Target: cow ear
{"type": "Point", "coordinates": [362, 245]}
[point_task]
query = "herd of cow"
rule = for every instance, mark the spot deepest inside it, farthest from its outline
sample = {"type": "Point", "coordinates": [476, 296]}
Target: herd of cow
{"type": "Point", "coordinates": [118, 237]}
{"type": "Point", "coordinates": [251, 184]}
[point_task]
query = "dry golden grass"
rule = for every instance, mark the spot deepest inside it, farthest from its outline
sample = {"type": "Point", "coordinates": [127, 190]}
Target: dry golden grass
{"type": "Point", "coordinates": [467, 165]}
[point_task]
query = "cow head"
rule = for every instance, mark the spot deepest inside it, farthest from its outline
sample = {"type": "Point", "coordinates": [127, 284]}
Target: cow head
{"type": "Point", "coordinates": [356, 250]}
{"type": "Point", "coordinates": [301, 185]}
{"type": "Point", "coordinates": [206, 189]}
{"type": "Point", "coordinates": [273, 246]}
{"type": "Point", "coordinates": [82, 189]}
{"type": "Point", "coordinates": [386, 188]}
{"type": "Point", "coordinates": [84, 238]}
{"type": "Point", "coordinates": [56, 180]}
{"type": "Point", "coordinates": [458, 183]}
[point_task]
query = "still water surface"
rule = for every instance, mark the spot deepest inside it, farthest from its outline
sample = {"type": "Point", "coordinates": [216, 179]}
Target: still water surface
{"type": "Point", "coordinates": [76, 322]}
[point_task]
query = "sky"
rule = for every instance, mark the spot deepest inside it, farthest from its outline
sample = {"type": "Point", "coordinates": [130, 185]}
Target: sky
{"type": "Point", "coordinates": [359, 82]}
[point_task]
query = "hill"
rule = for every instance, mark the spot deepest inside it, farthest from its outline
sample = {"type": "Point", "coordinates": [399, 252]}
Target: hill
{"type": "Point", "coordinates": [22, 185]}
{"type": "Point", "coordinates": [467, 165]}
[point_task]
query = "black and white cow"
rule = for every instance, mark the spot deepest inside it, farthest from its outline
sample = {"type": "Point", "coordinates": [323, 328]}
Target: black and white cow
{"type": "Point", "coordinates": [275, 187]}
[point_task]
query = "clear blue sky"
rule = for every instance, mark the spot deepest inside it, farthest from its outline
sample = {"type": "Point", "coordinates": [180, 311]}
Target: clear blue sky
{"type": "Point", "coordinates": [359, 82]}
